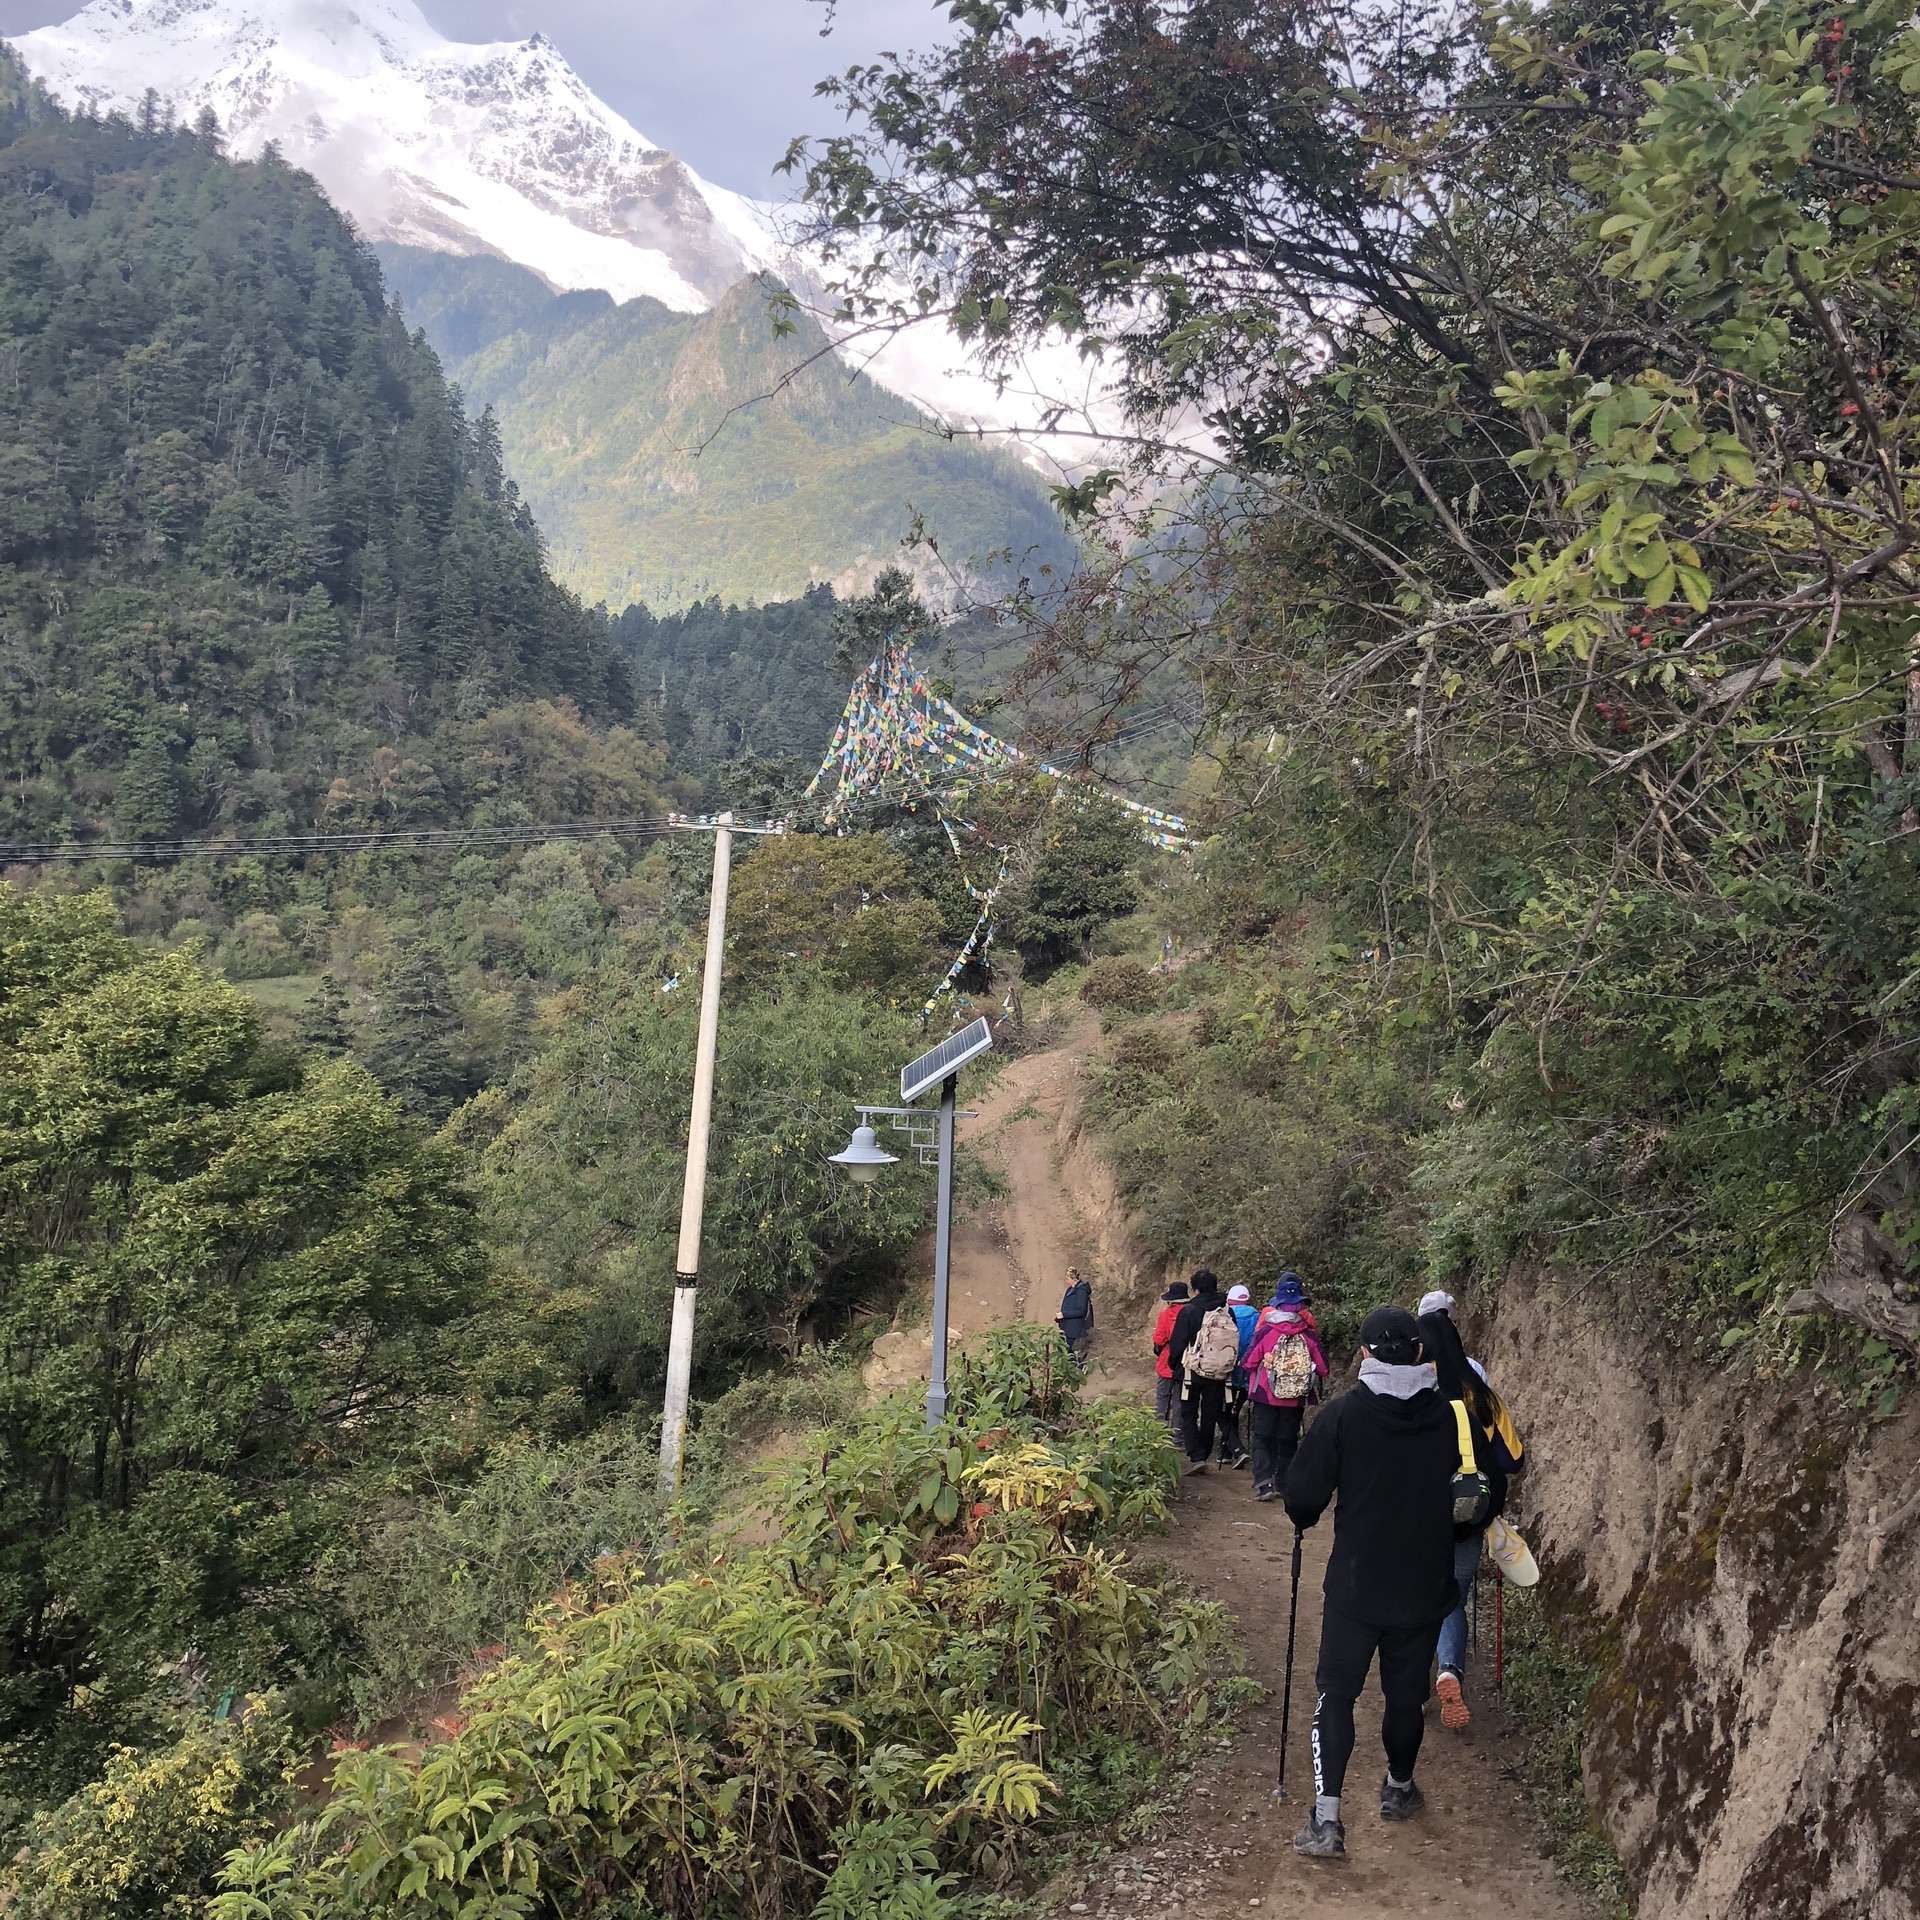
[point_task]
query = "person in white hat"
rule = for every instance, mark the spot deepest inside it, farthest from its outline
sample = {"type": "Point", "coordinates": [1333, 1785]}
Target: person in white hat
{"type": "Point", "coordinates": [1246, 1316]}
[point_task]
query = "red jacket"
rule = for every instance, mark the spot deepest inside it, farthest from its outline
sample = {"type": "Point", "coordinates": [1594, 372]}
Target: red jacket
{"type": "Point", "coordinates": [1162, 1333]}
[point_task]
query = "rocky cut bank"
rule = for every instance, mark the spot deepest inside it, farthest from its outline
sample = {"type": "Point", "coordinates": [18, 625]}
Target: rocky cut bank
{"type": "Point", "coordinates": [1740, 1561]}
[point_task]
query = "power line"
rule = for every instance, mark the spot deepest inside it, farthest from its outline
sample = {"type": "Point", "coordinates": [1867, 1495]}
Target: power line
{"type": "Point", "coordinates": [298, 845]}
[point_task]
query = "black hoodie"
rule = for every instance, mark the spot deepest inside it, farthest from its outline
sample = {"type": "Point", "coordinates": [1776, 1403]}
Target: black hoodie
{"type": "Point", "coordinates": [1391, 1463]}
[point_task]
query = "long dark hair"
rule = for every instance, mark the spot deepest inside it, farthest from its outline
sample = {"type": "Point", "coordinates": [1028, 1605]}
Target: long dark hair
{"type": "Point", "coordinates": [1457, 1379]}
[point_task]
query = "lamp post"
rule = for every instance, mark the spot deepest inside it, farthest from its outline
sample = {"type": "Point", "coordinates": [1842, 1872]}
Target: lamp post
{"type": "Point", "coordinates": [932, 1135]}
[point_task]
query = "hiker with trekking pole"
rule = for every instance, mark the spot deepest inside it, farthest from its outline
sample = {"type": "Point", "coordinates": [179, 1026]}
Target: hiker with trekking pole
{"type": "Point", "coordinates": [1497, 1448]}
{"type": "Point", "coordinates": [1385, 1455]}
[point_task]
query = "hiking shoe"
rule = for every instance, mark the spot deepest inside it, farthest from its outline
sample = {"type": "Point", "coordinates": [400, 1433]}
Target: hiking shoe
{"type": "Point", "coordinates": [1400, 1803]}
{"type": "Point", "coordinates": [1321, 1839]}
{"type": "Point", "coordinates": [1191, 1468]}
{"type": "Point", "coordinates": [1240, 1459]}
{"type": "Point", "coordinates": [1265, 1492]}
{"type": "Point", "coordinates": [1454, 1715]}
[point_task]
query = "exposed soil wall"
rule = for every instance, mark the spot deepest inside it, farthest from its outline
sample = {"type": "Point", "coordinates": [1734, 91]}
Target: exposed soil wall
{"type": "Point", "coordinates": [1742, 1562]}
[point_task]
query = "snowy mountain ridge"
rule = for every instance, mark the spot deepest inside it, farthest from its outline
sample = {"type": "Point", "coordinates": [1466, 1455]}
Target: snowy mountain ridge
{"type": "Point", "coordinates": [502, 150]}
{"type": "Point", "coordinates": [498, 149]}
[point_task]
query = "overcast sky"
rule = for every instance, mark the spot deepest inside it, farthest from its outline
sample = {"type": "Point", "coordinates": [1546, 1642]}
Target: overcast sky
{"type": "Point", "coordinates": [724, 83]}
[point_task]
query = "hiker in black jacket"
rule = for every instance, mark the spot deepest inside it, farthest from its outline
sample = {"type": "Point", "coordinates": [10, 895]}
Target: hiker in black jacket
{"type": "Point", "coordinates": [1385, 1452]}
{"type": "Point", "coordinates": [1200, 1399]}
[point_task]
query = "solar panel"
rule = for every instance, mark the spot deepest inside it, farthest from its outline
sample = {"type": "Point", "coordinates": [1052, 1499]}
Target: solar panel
{"type": "Point", "coordinates": [948, 1057]}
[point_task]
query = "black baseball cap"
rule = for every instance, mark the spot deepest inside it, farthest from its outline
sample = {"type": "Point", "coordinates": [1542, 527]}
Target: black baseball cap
{"type": "Point", "coordinates": [1391, 1334]}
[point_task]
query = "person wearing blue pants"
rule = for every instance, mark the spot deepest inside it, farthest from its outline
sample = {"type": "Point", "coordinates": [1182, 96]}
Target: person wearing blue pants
{"type": "Point", "coordinates": [1501, 1458]}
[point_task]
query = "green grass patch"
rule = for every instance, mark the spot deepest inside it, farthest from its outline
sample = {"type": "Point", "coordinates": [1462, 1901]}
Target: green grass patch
{"type": "Point", "coordinates": [1546, 1690]}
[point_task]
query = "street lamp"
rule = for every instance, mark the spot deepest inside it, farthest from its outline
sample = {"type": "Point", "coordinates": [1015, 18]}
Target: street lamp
{"type": "Point", "coordinates": [863, 1156]}
{"type": "Point", "coordinates": [932, 1135]}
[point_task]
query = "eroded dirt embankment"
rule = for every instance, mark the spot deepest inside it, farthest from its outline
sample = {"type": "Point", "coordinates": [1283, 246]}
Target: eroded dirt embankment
{"type": "Point", "coordinates": [1743, 1562]}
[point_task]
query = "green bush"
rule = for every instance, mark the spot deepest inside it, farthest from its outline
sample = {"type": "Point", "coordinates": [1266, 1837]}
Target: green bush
{"type": "Point", "coordinates": [145, 1840]}
{"type": "Point", "coordinates": [427, 1584]}
{"type": "Point", "coordinates": [1119, 983]}
{"type": "Point", "coordinates": [850, 1721]}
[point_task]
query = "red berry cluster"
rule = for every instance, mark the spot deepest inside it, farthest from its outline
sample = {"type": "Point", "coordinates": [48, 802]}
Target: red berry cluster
{"type": "Point", "coordinates": [1616, 713]}
{"type": "Point", "coordinates": [1830, 49]}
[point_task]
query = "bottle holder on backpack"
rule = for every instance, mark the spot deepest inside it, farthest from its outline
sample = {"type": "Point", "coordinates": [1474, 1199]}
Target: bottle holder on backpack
{"type": "Point", "coordinates": [1472, 1496]}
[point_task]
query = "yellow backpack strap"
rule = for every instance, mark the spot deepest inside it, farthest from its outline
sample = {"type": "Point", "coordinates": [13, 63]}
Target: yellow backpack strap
{"type": "Point", "coordinates": [1467, 1463]}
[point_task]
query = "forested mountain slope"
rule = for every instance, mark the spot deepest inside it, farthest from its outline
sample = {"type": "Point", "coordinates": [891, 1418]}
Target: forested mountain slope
{"type": "Point", "coordinates": [304, 1389]}
{"type": "Point", "coordinates": [250, 543]}
{"type": "Point", "coordinates": [674, 456]}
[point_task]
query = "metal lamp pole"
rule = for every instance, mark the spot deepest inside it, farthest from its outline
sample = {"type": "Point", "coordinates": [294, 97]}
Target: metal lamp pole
{"type": "Point", "coordinates": [932, 1135]}
{"type": "Point", "coordinates": [942, 1254]}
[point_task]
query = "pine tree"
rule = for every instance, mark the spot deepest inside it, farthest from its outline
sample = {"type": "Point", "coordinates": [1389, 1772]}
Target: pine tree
{"type": "Point", "coordinates": [416, 1047]}
{"type": "Point", "coordinates": [322, 1026]}
{"type": "Point", "coordinates": [147, 801]}
{"type": "Point", "coordinates": [489, 464]}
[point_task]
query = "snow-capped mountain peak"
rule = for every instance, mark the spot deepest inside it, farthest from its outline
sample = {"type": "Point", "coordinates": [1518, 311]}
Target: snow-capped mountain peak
{"type": "Point", "coordinates": [503, 149]}
{"type": "Point", "coordinates": [497, 148]}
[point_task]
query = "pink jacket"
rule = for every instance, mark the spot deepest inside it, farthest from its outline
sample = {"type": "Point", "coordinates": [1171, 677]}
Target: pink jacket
{"type": "Point", "coordinates": [1275, 1324]}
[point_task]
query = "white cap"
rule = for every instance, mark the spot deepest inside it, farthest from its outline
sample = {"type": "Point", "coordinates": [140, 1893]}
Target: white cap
{"type": "Point", "coordinates": [1435, 1302]}
{"type": "Point", "coordinates": [1238, 1296]}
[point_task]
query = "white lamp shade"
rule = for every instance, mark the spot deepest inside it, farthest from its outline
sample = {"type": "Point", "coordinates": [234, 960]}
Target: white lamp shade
{"type": "Point", "coordinates": [863, 1156]}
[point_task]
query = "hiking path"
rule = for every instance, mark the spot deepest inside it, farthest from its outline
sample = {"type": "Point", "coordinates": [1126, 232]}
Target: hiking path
{"type": "Point", "coordinates": [1225, 1848]}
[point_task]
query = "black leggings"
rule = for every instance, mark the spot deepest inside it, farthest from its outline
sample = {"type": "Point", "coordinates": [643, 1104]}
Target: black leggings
{"type": "Point", "coordinates": [1346, 1652]}
{"type": "Point", "coordinates": [1203, 1416]}
{"type": "Point", "coordinates": [1276, 1438]}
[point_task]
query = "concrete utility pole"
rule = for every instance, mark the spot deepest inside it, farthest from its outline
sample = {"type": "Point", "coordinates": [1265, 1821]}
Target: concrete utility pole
{"type": "Point", "coordinates": [693, 1197]}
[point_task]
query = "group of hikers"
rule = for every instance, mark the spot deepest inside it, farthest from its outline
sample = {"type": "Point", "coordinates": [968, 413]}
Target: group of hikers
{"type": "Point", "coordinates": [1415, 1459]}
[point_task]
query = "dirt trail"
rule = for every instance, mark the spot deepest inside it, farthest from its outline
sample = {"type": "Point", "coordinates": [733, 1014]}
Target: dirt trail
{"type": "Point", "coordinates": [1012, 1251]}
{"type": "Point", "coordinates": [1010, 1257]}
{"type": "Point", "coordinates": [1473, 1854]}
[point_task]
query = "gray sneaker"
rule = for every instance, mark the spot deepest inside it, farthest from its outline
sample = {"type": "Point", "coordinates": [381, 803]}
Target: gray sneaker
{"type": "Point", "coordinates": [1321, 1839]}
{"type": "Point", "coordinates": [1400, 1803]}
{"type": "Point", "coordinates": [1192, 1467]}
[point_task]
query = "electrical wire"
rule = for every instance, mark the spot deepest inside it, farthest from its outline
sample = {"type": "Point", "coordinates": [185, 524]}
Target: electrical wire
{"type": "Point", "coordinates": [299, 845]}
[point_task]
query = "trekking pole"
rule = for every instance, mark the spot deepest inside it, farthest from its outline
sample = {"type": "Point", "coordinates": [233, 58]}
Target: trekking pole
{"type": "Point", "coordinates": [1286, 1696]}
{"type": "Point", "coordinates": [1499, 1623]}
